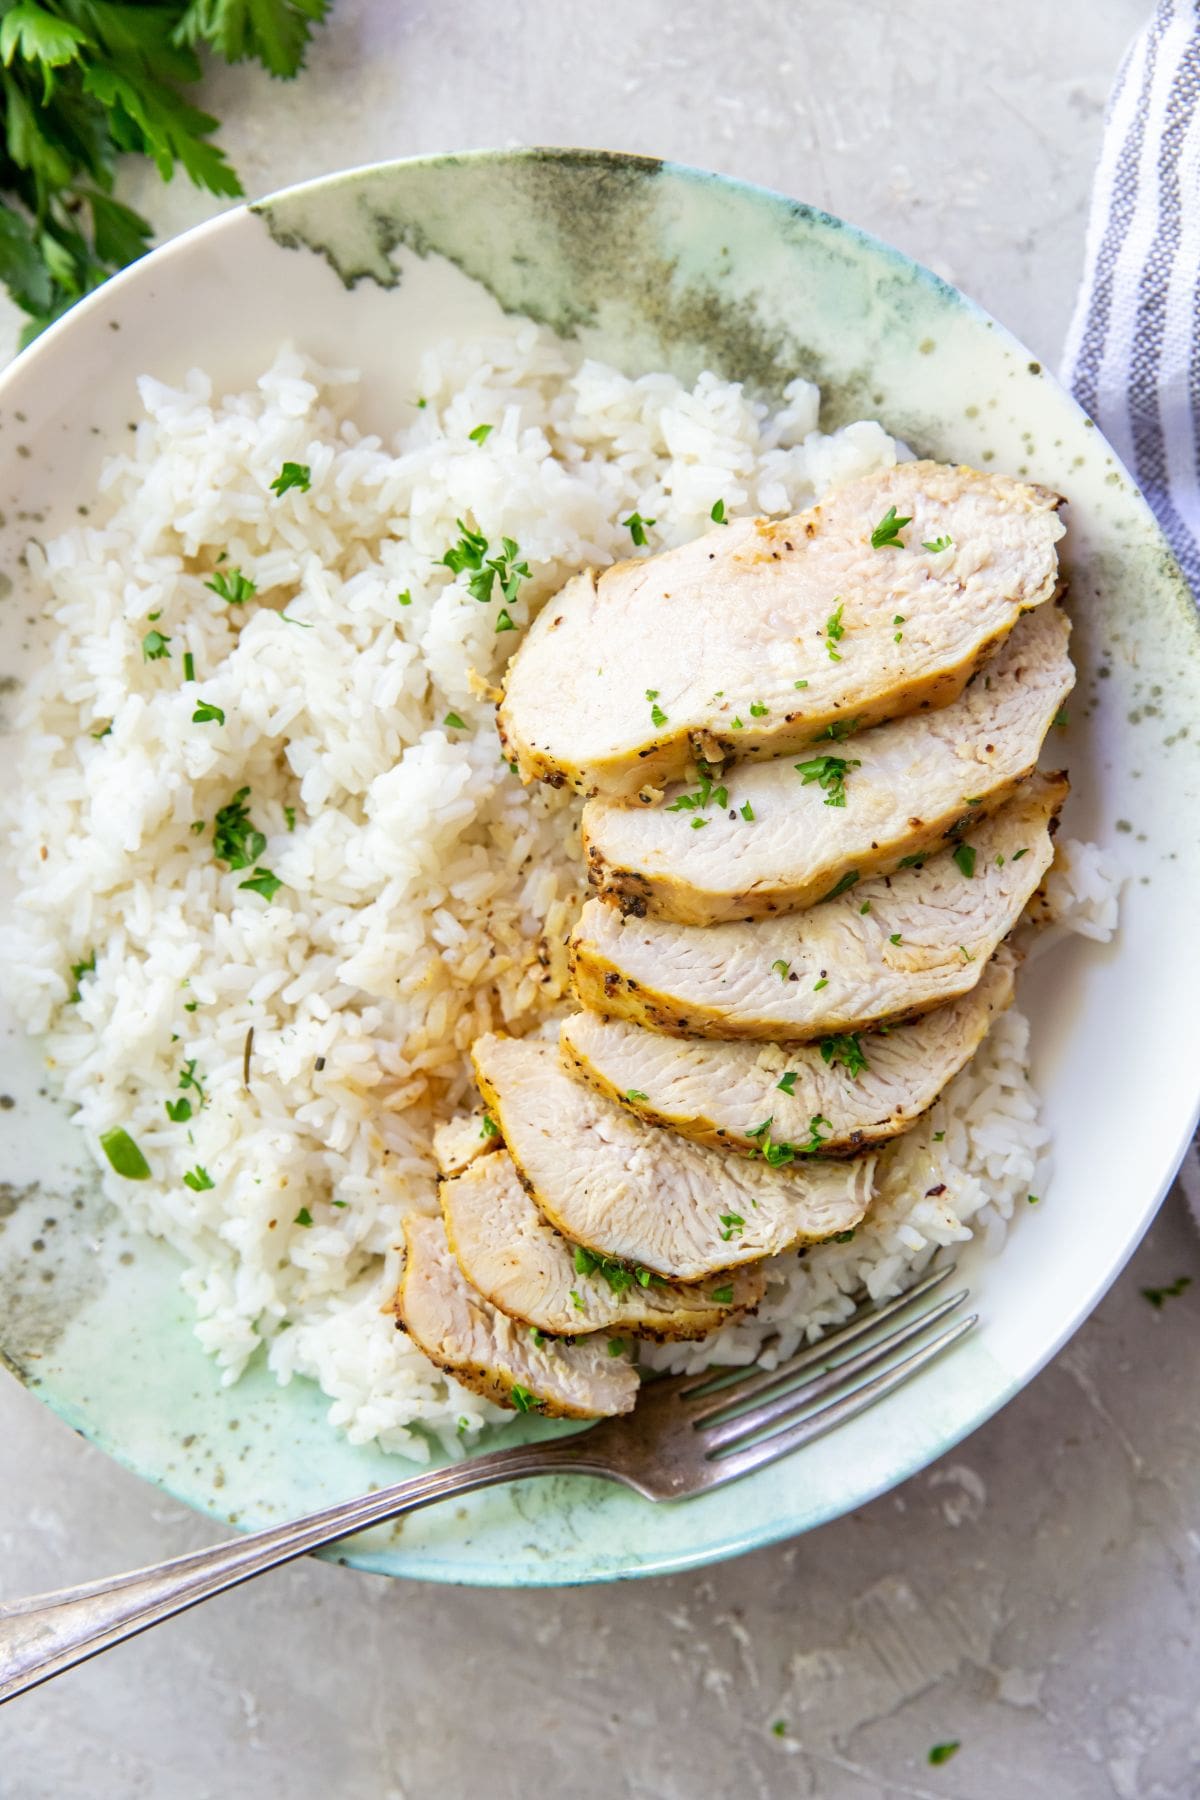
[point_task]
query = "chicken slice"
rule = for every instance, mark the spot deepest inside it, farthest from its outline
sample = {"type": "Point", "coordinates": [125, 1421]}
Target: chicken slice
{"type": "Point", "coordinates": [773, 1100]}
{"type": "Point", "coordinates": [523, 1266]}
{"type": "Point", "coordinates": [646, 1197]}
{"type": "Point", "coordinates": [457, 1142]}
{"type": "Point", "coordinates": [485, 1350]}
{"type": "Point", "coordinates": [882, 952]}
{"type": "Point", "coordinates": [762, 636]}
{"type": "Point", "coordinates": [778, 836]}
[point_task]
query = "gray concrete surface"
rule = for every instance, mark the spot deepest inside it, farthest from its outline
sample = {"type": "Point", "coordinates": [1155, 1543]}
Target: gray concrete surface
{"type": "Point", "coordinates": [1036, 1595]}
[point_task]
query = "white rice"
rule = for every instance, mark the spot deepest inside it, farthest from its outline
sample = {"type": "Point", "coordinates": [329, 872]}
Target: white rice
{"type": "Point", "coordinates": [425, 893]}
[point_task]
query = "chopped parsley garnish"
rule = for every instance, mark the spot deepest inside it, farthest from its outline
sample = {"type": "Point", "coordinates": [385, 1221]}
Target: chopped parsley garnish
{"type": "Point", "coordinates": [189, 666]}
{"type": "Point", "coordinates": [964, 856]}
{"type": "Point", "coordinates": [196, 827]}
{"type": "Point", "coordinates": [405, 599]}
{"type": "Point", "coordinates": [232, 586]}
{"type": "Point", "coordinates": [717, 515]}
{"type": "Point", "coordinates": [657, 715]}
{"type": "Point", "coordinates": [842, 1237]}
{"type": "Point", "coordinates": [303, 1217]}
{"type": "Point", "coordinates": [292, 475]}
{"type": "Point", "coordinates": [818, 985]}
{"type": "Point", "coordinates": [895, 938]}
{"type": "Point", "coordinates": [1060, 717]}
{"type": "Point", "coordinates": [747, 812]}
{"type": "Point", "coordinates": [779, 1728]}
{"type": "Point", "coordinates": [481, 434]}
{"type": "Point", "coordinates": [302, 623]}
{"type": "Point", "coordinates": [699, 824]}
{"type": "Point", "coordinates": [522, 1399]}
{"type": "Point", "coordinates": [454, 722]}
{"type": "Point", "coordinates": [846, 1049]}
{"type": "Point", "coordinates": [898, 621]}
{"type": "Point", "coordinates": [616, 1346]}
{"type": "Point", "coordinates": [618, 1277]}
{"type": "Point", "coordinates": [289, 814]}
{"type": "Point", "coordinates": [537, 1336]}
{"type": "Point", "coordinates": [199, 1180]}
{"type": "Point", "coordinates": [736, 725]}
{"type": "Point", "coordinates": [966, 954]}
{"type": "Point", "coordinates": [787, 1084]}
{"type": "Point", "coordinates": [758, 710]}
{"type": "Point", "coordinates": [705, 792]}
{"type": "Point", "coordinates": [757, 1131]}
{"type": "Point", "coordinates": [1018, 854]}
{"type": "Point", "coordinates": [1033, 1199]}
{"type": "Point", "coordinates": [235, 840]}
{"type": "Point", "coordinates": [637, 527]}
{"type": "Point", "coordinates": [723, 1295]}
{"type": "Point", "coordinates": [154, 646]}
{"type": "Point", "coordinates": [916, 861]}
{"type": "Point", "coordinates": [207, 714]}
{"type": "Point", "coordinates": [835, 631]}
{"type": "Point", "coordinates": [829, 773]}
{"type": "Point", "coordinates": [635, 1094]}
{"type": "Point", "coordinates": [782, 969]}
{"type": "Point", "coordinates": [939, 1137]}
{"type": "Point", "coordinates": [468, 553]}
{"type": "Point", "coordinates": [1156, 1296]}
{"type": "Point", "coordinates": [887, 533]}
{"type": "Point", "coordinates": [189, 1079]}
{"type": "Point", "coordinates": [865, 907]}
{"type": "Point", "coordinates": [838, 730]}
{"type": "Point", "coordinates": [799, 684]}
{"type": "Point", "coordinates": [938, 545]}
{"type": "Point", "coordinates": [262, 882]}
{"type": "Point", "coordinates": [576, 1302]}
{"type": "Point", "coordinates": [489, 1128]}
{"type": "Point", "coordinates": [124, 1155]}
{"type": "Point", "coordinates": [505, 620]}
{"type": "Point", "coordinates": [107, 732]}
{"type": "Point", "coordinates": [78, 971]}
{"type": "Point", "coordinates": [844, 885]}
{"type": "Point", "coordinates": [732, 1225]}
{"type": "Point", "coordinates": [178, 1111]}
{"type": "Point", "coordinates": [941, 1753]}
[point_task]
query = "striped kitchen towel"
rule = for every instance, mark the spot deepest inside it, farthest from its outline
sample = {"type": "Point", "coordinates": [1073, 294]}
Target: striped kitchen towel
{"type": "Point", "coordinates": [1132, 357]}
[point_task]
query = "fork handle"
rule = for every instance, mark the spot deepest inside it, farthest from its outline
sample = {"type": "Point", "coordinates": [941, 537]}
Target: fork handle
{"type": "Point", "coordinates": [48, 1633]}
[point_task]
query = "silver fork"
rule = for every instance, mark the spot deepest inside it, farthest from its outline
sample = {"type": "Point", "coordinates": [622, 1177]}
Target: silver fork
{"type": "Point", "coordinates": [690, 1433]}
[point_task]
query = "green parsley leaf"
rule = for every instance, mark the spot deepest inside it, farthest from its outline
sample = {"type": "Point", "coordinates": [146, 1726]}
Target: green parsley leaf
{"type": "Point", "coordinates": [843, 1237]}
{"type": "Point", "coordinates": [292, 475]}
{"type": "Point", "coordinates": [717, 515]}
{"type": "Point", "coordinates": [838, 730]}
{"type": "Point", "coordinates": [865, 907]}
{"type": "Point", "coordinates": [481, 434]}
{"type": "Point", "coordinates": [489, 1127]}
{"type": "Point", "coordinates": [845, 1048]}
{"type": "Point", "coordinates": [941, 1753]}
{"type": "Point", "coordinates": [835, 631]}
{"type": "Point", "coordinates": [303, 1217]}
{"type": "Point", "coordinates": [895, 938]}
{"type": "Point", "coordinates": [916, 861]}
{"type": "Point", "coordinates": [799, 684]}
{"type": "Point", "coordinates": [1033, 1199]}
{"type": "Point", "coordinates": [732, 1225]}
{"type": "Point", "coordinates": [1018, 854]}
{"type": "Point", "coordinates": [848, 881]}
{"type": "Point", "coordinates": [199, 1180]}
{"type": "Point", "coordinates": [782, 969]}
{"type": "Point", "coordinates": [637, 527]}
{"type": "Point", "coordinates": [1060, 717]}
{"type": "Point", "coordinates": [966, 954]}
{"type": "Point", "coordinates": [196, 827]}
{"type": "Point", "coordinates": [189, 666]}
{"type": "Point", "coordinates": [178, 1111]}
{"type": "Point", "coordinates": [207, 714]}
{"type": "Point", "coordinates": [747, 812]}
{"type": "Point", "coordinates": [723, 1295]}
{"type": "Point", "coordinates": [107, 732]}
{"type": "Point", "coordinates": [779, 1728]}
{"type": "Point", "coordinates": [616, 1346]}
{"type": "Point", "coordinates": [1156, 1296]}
{"type": "Point", "coordinates": [236, 840]}
{"type": "Point", "coordinates": [504, 621]}
{"type": "Point", "coordinates": [232, 586]}
{"type": "Point", "coordinates": [189, 1079]}
{"type": "Point", "coordinates": [454, 722]}
{"type": "Point", "coordinates": [522, 1399]}
{"type": "Point", "coordinates": [538, 1337]}
{"type": "Point", "coordinates": [289, 814]}
{"type": "Point", "coordinates": [818, 985]}
{"type": "Point", "coordinates": [758, 710]}
{"type": "Point", "coordinates": [939, 1137]}
{"type": "Point", "coordinates": [964, 856]}
{"type": "Point", "coordinates": [657, 715]}
{"type": "Point", "coordinates": [576, 1302]}
{"type": "Point", "coordinates": [938, 545]}
{"type": "Point", "coordinates": [699, 824]}
{"type": "Point", "coordinates": [262, 882]}
{"type": "Point", "coordinates": [635, 1094]}
{"type": "Point", "coordinates": [829, 773]}
{"type": "Point", "coordinates": [887, 533]}
{"type": "Point", "coordinates": [584, 1261]}
{"type": "Point", "coordinates": [787, 1083]}
{"type": "Point", "coordinates": [154, 646]}
{"type": "Point", "coordinates": [467, 555]}
{"type": "Point", "coordinates": [78, 971]}
{"type": "Point", "coordinates": [405, 599]}
{"type": "Point", "coordinates": [736, 725]}
{"type": "Point", "coordinates": [124, 1155]}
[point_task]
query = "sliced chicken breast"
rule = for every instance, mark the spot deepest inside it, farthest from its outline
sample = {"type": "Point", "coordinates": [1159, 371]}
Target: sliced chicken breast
{"type": "Point", "coordinates": [778, 836]}
{"type": "Point", "coordinates": [646, 1197]}
{"type": "Point", "coordinates": [763, 637]}
{"type": "Point", "coordinates": [485, 1350]}
{"type": "Point", "coordinates": [781, 1102]}
{"type": "Point", "coordinates": [458, 1141]}
{"type": "Point", "coordinates": [884, 951]}
{"type": "Point", "coordinates": [507, 1251]}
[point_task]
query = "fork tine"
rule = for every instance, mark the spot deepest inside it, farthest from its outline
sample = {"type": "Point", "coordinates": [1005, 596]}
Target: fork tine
{"type": "Point", "coordinates": [771, 1449]}
{"type": "Point", "coordinates": [758, 1381]}
{"type": "Point", "coordinates": [785, 1405]}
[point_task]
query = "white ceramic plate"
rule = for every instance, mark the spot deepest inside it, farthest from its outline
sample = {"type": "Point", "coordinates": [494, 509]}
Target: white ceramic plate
{"type": "Point", "coordinates": [652, 266]}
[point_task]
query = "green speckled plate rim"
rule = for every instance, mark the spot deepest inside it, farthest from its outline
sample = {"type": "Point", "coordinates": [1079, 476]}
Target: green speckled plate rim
{"type": "Point", "coordinates": [428, 1565]}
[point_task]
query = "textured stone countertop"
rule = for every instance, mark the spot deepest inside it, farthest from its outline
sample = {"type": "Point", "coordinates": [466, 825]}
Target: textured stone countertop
{"type": "Point", "coordinates": [1036, 1596]}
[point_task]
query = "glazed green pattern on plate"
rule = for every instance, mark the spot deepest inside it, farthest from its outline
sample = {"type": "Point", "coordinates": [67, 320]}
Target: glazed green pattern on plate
{"type": "Point", "coordinates": [650, 266]}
